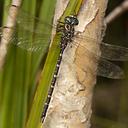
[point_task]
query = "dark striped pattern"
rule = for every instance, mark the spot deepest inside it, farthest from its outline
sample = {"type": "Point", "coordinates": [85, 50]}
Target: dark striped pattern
{"type": "Point", "coordinates": [67, 31]}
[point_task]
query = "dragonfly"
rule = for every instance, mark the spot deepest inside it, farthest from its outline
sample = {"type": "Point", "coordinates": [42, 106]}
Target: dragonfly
{"type": "Point", "coordinates": [109, 52]}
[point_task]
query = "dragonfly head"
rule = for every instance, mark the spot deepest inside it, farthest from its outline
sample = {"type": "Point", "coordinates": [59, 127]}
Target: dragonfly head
{"type": "Point", "coordinates": [71, 20]}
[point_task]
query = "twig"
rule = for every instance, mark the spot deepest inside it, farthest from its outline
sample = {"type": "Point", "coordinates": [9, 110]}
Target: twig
{"type": "Point", "coordinates": [7, 30]}
{"type": "Point", "coordinates": [117, 12]}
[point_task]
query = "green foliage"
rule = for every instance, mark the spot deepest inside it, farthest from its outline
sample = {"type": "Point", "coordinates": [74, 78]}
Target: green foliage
{"type": "Point", "coordinates": [18, 76]}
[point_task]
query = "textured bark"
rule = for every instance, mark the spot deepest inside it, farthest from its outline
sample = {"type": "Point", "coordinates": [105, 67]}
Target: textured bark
{"type": "Point", "coordinates": [70, 106]}
{"type": "Point", "coordinates": [7, 32]}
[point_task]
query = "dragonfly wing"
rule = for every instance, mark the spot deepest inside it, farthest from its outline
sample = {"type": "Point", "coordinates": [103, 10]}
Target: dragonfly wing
{"type": "Point", "coordinates": [40, 37]}
{"type": "Point", "coordinates": [115, 53]}
{"type": "Point", "coordinates": [105, 67]}
{"type": "Point", "coordinates": [108, 51]}
{"type": "Point", "coordinates": [109, 70]}
{"type": "Point", "coordinates": [33, 44]}
{"type": "Point", "coordinates": [32, 47]}
{"type": "Point", "coordinates": [27, 21]}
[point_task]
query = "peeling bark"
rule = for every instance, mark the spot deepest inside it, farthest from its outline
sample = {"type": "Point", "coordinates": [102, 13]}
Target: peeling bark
{"type": "Point", "coordinates": [70, 106]}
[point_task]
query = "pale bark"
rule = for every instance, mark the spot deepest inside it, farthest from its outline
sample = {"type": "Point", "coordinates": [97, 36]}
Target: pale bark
{"type": "Point", "coordinates": [8, 30]}
{"type": "Point", "coordinates": [70, 106]}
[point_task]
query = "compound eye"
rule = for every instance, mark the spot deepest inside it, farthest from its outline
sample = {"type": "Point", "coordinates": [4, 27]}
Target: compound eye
{"type": "Point", "coordinates": [76, 21]}
{"type": "Point", "coordinates": [67, 20]}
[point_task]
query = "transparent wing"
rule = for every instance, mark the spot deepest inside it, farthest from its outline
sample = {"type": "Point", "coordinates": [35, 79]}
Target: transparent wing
{"type": "Point", "coordinates": [113, 52]}
{"type": "Point", "coordinates": [108, 51]}
{"type": "Point", "coordinates": [109, 70]}
{"type": "Point", "coordinates": [35, 44]}
{"type": "Point", "coordinates": [31, 25]}
{"type": "Point", "coordinates": [105, 67]}
{"type": "Point", "coordinates": [27, 21]}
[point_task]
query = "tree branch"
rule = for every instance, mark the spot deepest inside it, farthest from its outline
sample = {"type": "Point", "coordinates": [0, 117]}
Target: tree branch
{"type": "Point", "coordinates": [72, 97]}
{"type": "Point", "coordinates": [117, 11]}
{"type": "Point", "coordinates": [8, 29]}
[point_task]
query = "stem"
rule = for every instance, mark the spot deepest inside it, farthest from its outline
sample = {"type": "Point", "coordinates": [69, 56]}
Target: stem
{"type": "Point", "coordinates": [8, 29]}
{"type": "Point", "coordinates": [117, 12]}
{"type": "Point", "coordinates": [72, 97]}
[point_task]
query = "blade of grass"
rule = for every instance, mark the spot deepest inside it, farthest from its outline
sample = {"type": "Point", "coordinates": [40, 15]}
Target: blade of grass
{"type": "Point", "coordinates": [23, 71]}
{"type": "Point", "coordinates": [45, 15]}
{"type": "Point", "coordinates": [6, 94]}
{"type": "Point", "coordinates": [31, 9]}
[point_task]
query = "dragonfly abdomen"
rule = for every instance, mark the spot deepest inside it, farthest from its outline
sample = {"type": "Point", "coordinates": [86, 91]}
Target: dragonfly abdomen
{"type": "Point", "coordinates": [67, 31]}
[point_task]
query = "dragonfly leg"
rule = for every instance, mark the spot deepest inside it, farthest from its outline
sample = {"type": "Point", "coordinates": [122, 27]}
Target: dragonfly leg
{"type": "Point", "coordinates": [60, 28]}
{"type": "Point", "coordinates": [61, 22]}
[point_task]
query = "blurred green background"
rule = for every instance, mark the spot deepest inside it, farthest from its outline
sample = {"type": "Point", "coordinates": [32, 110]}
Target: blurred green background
{"type": "Point", "coordinates": [110, 100]}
